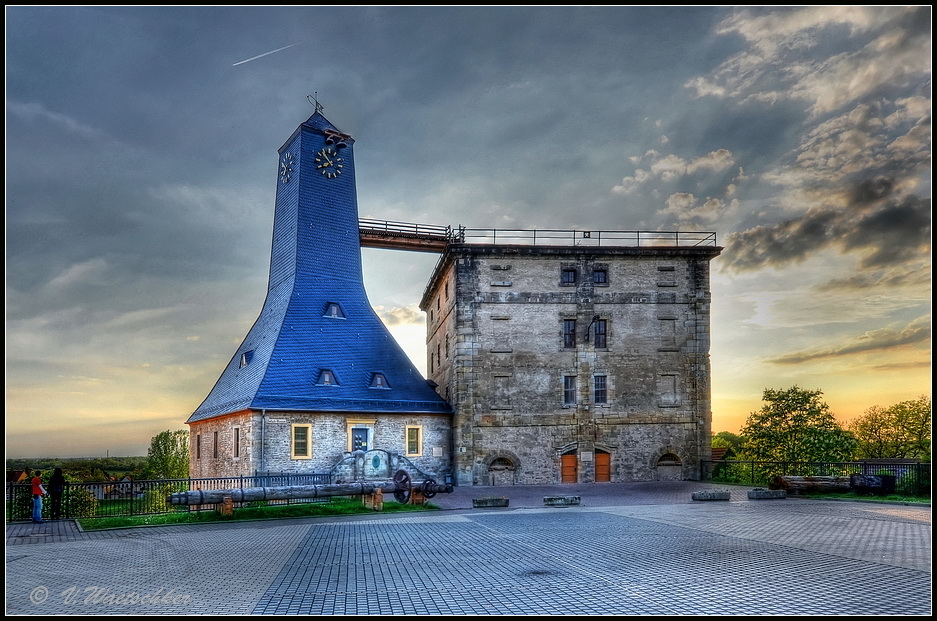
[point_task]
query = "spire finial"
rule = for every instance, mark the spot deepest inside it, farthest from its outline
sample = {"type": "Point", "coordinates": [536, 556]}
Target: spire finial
{"type": "Point", "coordinates": [314, 100]}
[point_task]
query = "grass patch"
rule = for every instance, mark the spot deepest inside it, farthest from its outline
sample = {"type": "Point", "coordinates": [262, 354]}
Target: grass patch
{"type": "Point", "coordinates": [921, 500]}
{"type": "Point", "coordinates": [338, 506]}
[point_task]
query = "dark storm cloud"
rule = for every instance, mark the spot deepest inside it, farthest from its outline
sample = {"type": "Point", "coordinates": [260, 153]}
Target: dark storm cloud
{"type": "Point", "coordinates": [886, 232]}
{"type": "Point", "coordinates": [917, 333]}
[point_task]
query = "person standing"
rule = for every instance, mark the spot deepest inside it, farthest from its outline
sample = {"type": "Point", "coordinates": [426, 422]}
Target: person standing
{"type": "Point", "coordinates": [38, 492]}
{"type": "Point", "coordinates": [56, 489]}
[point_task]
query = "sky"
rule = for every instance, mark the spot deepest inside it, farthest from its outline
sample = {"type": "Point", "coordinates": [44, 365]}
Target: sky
{"type": "Point", "coordinates": [141, 161]}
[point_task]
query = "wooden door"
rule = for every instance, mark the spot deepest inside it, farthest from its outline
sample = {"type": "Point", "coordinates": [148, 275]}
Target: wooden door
{"type": "Point", "coordinates": [603, 467]}
{"type": "Point", "coordinates": [569, 471]}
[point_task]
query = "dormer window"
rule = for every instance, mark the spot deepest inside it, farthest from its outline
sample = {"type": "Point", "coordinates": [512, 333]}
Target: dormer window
{"type": "Point", "coordinates": [379, 381]}
{"type": "Point", "coordinates": [334, 310]}
{"type": "Point", "coordinates": [327, 378]}
{"type": "Point", "coordinates": [246, 358]}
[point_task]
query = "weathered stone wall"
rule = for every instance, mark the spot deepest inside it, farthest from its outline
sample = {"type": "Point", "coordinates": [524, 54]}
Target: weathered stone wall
{"type": "Point", "coordinates": [505, 379]}
{"type": "Point", "coordinates": [222, 460]}
{"type": "Point", "coordinates": [265, 442]}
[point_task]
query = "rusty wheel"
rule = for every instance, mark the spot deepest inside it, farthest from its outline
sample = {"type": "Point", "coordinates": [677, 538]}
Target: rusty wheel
{"type": "Point", "coordinates": [402, 487]}
{"type": "Point", "coordinates": [428, 488]}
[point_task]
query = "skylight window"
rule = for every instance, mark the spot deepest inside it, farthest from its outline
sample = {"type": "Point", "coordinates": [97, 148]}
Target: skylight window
{"type": "Point", "coordinates": [327, 378]}
{"type": "Point", "coordinates": [379, 381]}
{"type": "Point", "coordinates": [333, 309]}
{"type": "Point", "coordinates": [246, 358]}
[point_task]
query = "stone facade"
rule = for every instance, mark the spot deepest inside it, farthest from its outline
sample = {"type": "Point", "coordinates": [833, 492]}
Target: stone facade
{"type": "Point", "coordinates": [244, 443]}
{"type": "Point", "coordinates": [572, 364]}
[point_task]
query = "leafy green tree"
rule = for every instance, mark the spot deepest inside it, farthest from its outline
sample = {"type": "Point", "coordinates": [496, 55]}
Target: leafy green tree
{"type": "Point", "coordinates": [795, 425]}
{"type": "Point", "coordinates": [168, 456]}
{"type": "Point", "coordinates": [727, 440]}
{"type": "Point", "coordinates": [901, 431]}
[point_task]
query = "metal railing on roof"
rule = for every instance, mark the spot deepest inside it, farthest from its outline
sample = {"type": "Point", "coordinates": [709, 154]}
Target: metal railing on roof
{"type": "Point", "coordinates": [578, 237]}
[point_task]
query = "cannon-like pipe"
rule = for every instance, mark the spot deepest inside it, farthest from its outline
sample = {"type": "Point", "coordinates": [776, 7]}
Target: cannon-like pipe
{"type": "Point", "coordinates": [244, 494]}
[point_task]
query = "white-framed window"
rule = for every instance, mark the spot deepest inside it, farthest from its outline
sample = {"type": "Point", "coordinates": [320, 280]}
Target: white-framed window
{"type": "Point", "coordinates": [246, 358]}
{"type": "Point", "coordinates": [414, 440]}
{"type": "Point", "coordinates": [327, 378]}
{"type": "Point", "coordinates": [600, 333]}
{"type": "Point", "coordinates": [569, 333]}
{"type": "Point", "coordinates": [301, 441]}
{"type": "Point", "coordinates": [569, 390]}
{"type": "Point", "coordinates": [600, 394]}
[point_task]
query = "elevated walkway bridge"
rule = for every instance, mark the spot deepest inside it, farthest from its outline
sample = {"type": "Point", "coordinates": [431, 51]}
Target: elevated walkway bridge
{"type": "Point", "coordinates": [431, 238]}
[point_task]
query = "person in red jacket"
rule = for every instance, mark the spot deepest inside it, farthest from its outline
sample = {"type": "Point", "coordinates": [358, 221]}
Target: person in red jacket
{"type": "Point", "coordinates": [38, 492]}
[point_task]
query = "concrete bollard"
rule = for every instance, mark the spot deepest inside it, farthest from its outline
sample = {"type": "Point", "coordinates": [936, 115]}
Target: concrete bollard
{"type": "Point", "coordinates": [715, 494]}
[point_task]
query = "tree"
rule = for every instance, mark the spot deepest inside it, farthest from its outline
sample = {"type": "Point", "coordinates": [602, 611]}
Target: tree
{"type": "Point", "coordinates": [727, 440]}
{"type": "Point", "coordinates": [168, 456]}
{"type": "Point", "coordinates": [794, 425]}
{"type": "Point", "coordinates": [901, 431]}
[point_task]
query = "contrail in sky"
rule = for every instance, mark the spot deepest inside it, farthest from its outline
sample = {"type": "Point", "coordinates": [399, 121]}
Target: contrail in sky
{"type": "Point", "coordinates": [264, 54]}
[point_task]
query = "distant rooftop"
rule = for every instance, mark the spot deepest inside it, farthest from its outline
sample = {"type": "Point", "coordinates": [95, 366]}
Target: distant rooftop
{"type": "Point", "coordinates": [431, 238]}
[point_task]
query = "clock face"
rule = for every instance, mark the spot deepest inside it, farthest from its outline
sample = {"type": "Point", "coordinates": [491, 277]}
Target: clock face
{"type": "Point", "coordinates": [329, 163]}
{"type": "Point", "coordinates": [286, 167]}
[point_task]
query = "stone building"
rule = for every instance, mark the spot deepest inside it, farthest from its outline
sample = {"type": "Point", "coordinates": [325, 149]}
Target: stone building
{"type": "Point", "coordinates": [581, 359]}
{"type": "Point", "coordinates": [584, 360]}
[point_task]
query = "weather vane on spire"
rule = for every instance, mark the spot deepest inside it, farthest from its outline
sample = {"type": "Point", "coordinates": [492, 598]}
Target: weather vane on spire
{"type": "Point", "coordinates": [314, 100]}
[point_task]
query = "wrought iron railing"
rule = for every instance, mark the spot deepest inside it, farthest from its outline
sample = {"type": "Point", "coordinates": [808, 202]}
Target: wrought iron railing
{"type": "Point", "coordinates": [912, 479]}
{"type": "Point", "coordinates": [142, 497]}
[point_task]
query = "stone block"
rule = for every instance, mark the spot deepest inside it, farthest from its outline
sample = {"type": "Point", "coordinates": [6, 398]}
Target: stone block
{"type": "Point", "coordinates": [715, 494]}
{"type": "Point", "coordinates": [760, 493]}
{"type": "Point", "coordinates": [483, 503]}
{"type": "Point", "coordinates": [561, 501]}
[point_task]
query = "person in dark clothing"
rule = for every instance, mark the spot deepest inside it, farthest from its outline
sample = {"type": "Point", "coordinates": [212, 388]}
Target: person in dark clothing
{"type": "Point", "coordinates": [56, 490]}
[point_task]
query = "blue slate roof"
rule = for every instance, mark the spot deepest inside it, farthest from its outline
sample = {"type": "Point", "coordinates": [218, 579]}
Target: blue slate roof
{"type": "Point", "coordinates": [316, 316]}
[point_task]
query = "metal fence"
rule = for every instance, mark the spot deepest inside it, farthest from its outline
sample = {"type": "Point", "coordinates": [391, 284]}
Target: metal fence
{"type": "Point", "coordinates": [128, 498]}
{"type": "Point", "coordinates": [912, 479]}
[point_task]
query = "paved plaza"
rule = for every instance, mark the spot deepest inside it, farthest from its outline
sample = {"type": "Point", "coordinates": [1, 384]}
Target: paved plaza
{"type": "Point", "coordinates": [628, 549]}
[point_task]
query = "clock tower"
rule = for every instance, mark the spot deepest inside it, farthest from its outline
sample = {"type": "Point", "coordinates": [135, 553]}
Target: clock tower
{"type": "Point", "coordinates": [318, 355]}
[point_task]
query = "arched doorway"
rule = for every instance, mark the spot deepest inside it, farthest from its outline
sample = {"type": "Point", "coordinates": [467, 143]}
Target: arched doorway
{"type": "Point", "coordinates": [669, 468]}
{"type": "Point", "coordinates": [501, 471]}
{"type": "Point", "coordinates": [569, 468]}
{"type": "Point", "coordinates": [603, 466]}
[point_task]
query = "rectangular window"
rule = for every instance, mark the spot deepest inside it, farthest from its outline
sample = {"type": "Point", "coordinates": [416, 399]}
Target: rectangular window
{"type": "Point", "coordinates": [600, 330]}
{"type": "Point", "coordinates": [569, 390]}
{"type": "Point", "coordinates": [569, 333]}
{"type": "Point", "coordinates": [414, 440]}
{"type": "Point", "coordinates": [198, 446]}
{"type": "Point", "coordinates": [568, 276]}
{"type": "Point", "coordinates": [214, 445]}
{"type": "Point", "coordinates": [301, 445]}
{"type": "Point", "coordinates": [600, 276]}
{"type": "Point", "coordinates": [237, 442]}
{"type": "Point", "coordinates": [601, 389]}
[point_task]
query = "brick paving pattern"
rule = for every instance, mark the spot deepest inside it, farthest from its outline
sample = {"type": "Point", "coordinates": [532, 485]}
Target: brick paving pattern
{"type": "Point", "coordinates": [633, 549]}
